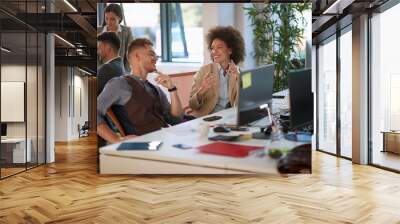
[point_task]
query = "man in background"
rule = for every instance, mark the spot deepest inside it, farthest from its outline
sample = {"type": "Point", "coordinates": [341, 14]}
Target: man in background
{"type": "Point", "coordinates": [108, 45]}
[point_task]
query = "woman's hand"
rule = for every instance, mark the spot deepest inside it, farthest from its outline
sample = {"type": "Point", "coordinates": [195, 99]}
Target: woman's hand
{"type": "Point", "coordinates": [206, 84]}
{"type": "Point", "coordinates": [233, 70]}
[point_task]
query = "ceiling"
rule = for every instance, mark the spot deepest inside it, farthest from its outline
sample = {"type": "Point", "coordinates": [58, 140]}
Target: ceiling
{"type": "Point", "coordinates": [74, 21]}
{"type": "Point", "coordinates": [328, 15]}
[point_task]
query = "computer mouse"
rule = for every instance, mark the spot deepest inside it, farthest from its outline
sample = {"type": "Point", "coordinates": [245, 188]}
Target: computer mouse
{"type": "Point", "coordinates": [221, 129]}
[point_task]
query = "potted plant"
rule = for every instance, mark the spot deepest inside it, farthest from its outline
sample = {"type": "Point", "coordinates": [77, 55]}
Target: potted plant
{"type": "Point", "coordinates": [278, 30]}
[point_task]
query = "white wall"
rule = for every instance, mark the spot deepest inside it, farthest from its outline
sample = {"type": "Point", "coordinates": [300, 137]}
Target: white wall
{"type": "Point", "coordinates": [69, 82]}
{"type": "Point", "coordinates": [16, 73]}
{"type": "Point", "coordinates": [33, 126]}
{"type": "Point", "coordinates": [61, 104]}
{"type": "Point", "coordinates": [79, 117]}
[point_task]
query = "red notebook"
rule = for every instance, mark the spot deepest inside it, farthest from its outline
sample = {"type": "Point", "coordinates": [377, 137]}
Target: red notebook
{"type": "Point", "coordinates": [227, 149]}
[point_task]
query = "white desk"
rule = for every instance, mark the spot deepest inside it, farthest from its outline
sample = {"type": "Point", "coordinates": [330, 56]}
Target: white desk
{"type": "Point", "coordinates": [18, 149]}
{"type": "Point", "coordinates": [171, 160]}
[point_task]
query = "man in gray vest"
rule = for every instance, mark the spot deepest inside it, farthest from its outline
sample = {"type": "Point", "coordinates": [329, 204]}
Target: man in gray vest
{"type": "Point", "coordinates": [140, 106]}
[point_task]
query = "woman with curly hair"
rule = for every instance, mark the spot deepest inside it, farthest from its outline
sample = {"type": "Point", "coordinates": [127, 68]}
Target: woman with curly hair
{"type": "Point", "coordinates": [215, 85]}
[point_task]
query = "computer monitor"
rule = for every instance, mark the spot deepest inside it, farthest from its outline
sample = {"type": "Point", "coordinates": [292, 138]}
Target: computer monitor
{"type": "Point", "coordinates": [301, 98]}
{"type": "Point", "coordinates": [3, 129]}
{"type": "Point", "coordinates": [255, 91]}
{"type": "Point", "coordinates": [301, 104]}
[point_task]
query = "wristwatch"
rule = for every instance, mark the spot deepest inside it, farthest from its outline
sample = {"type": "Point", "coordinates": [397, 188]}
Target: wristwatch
{"type": "Point", "coordinates": [172, 89]}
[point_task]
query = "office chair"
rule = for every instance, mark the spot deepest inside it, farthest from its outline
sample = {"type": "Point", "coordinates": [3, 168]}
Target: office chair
{"type": "Point", "coordinates": [84, 129]}
{"type": "Point", "coordinates": [298, 160]}
{"type": "Point", "coordinates": [116, 123]}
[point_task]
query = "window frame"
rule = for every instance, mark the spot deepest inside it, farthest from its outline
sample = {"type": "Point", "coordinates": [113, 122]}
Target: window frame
{"type": "Point", "coordinates": [166, 12]}
{"type": "Point", "coordinates": [333, 33]}
{"type": "Point", "coordinates": [381, 9]}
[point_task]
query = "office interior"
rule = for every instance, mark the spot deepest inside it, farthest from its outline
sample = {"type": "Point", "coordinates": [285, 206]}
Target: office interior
{"type": "Point", "coordinates": [354, 65]}
{"type": "Point", "coordinates": [355, 165]}
{"type": "Point", "coordinates": [184, 56]}
{"type": "Point", "coordinates": [47, 78]}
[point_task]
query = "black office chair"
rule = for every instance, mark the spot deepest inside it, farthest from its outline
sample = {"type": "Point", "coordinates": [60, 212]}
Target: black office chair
{"type": "Point", "coordinates": [84, 130]}
{"type": "Point", "coordinates": [298, 160]}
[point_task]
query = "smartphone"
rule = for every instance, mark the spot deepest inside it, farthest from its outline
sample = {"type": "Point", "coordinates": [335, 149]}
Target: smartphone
{"type": "Point", "coordinates": [224, 138]}
{"type": "Point", "coordinates": [151, 146]}
{"type": "Point", "coordinates": [238, 129]}
{"type": "Point", "coordinates": [212, 118]}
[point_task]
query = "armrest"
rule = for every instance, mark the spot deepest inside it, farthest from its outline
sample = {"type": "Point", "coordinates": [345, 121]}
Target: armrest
{"type": "Point", "coordinates": [114, 119]}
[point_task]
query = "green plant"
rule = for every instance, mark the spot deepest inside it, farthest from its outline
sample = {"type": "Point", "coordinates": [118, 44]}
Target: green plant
{"type": "Point", "coordinates": [278, 29]}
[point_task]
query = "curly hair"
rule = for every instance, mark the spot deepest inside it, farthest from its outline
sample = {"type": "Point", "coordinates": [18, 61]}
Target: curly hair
{"type": "Point", "coordinates": [232, 38]}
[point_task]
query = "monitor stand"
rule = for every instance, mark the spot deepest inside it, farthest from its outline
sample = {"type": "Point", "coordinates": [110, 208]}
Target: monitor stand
{"type": "Point", "coordinates": [298, 137]}
{"type": "Point", "coordinates": [265, 133]}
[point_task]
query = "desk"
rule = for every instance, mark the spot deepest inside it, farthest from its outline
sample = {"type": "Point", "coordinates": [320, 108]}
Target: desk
{"type": "Point", "coordinates": [13, 150]}
{"type": "Point", "coordinates": [170, 160]}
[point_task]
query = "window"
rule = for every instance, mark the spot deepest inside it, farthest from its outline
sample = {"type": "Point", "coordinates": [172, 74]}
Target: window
{"type": "Point", "coordinates": [327, 96]}
{"type": "Point", "coordinates": [385, 84]}
{"type": "Point", "coordinates": [187, 33]}
{"type": "Point", "coordinates": [174, 28]}
{"type": "Point", "coordinates": [346, 93]}
{"type": "Point", "coordinates": [144, 20]}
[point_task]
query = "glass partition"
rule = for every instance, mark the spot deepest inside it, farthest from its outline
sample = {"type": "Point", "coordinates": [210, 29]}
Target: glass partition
{"type": "Point", "coordinates": [14, 153]}
{"type": "Point", "coordinates": [22, 88]}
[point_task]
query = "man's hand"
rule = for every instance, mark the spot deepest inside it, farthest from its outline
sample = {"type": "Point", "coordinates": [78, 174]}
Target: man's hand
{"type": "Point", "coordinates": [107, 134]}
{"type": "Point", "coordinates": [164, 80]}
{"type": "Point", "coordinates": [206, 84]}
{"type": "Point", "coordinates": [128, 137]}
{"type": "Point", "coordinates": [233, 70]}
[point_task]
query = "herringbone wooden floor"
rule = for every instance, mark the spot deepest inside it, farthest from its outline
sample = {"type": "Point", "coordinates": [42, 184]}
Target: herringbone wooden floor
{"type": "Point", "coordinates": [71, 191]}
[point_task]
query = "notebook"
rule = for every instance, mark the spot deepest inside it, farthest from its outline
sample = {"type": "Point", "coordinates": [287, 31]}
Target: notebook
{"type": "Point", "coordinates": [228, 149]}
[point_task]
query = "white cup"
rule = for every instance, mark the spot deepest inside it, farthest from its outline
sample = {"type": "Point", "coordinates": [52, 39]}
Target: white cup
{"type": "Point", "coordinates": [202, 130]}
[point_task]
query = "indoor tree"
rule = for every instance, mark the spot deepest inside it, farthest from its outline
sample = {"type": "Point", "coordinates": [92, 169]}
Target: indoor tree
{"type": "Point", "coordinates": [278, 29]}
